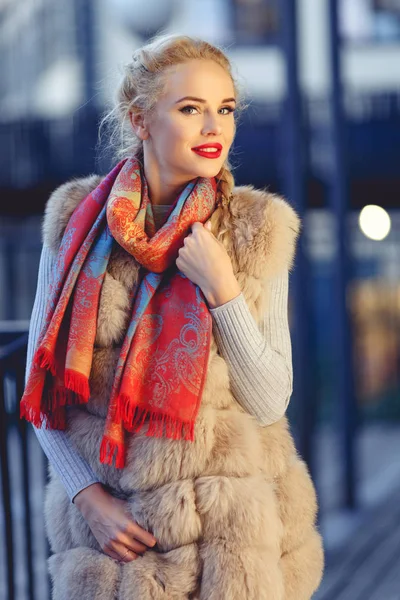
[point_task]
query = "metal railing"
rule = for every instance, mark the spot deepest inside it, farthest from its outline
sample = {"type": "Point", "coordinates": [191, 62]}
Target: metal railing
{"type": "Point", "coordinates": [20, 560]}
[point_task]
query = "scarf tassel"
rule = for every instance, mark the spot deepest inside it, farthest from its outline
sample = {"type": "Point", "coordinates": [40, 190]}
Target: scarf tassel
{"type": "Point", "coordinates": [134, 416]}
{"type": "Point", "coordinates": [53, 415]}
{"type": "Point", "coordinates": [108, 449]}
{"type": "Point", "coordinates": [31, 413]}
{"type": "Point", "coordinates": [77, 383]}
{"type": "Point", "coordinates": [45, 360]}
{"type": "Point", "coordinates": [59, 397]}
{"type": "Point", "coordinates": [74, 381]}
{"type": "Point", "coordinates": [38, 418]}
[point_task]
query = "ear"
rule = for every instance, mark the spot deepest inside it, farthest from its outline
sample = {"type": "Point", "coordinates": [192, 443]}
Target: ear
{"type": "Point", "coordinates": [139, 125]}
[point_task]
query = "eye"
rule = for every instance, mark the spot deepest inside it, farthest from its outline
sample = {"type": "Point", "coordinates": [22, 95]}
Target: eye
{"type": "Point", "coordinates": [188, 108]}
{"type": "Point", "coordinates": [185, 110]}
{"type": "Point", "coordinates": [229, 109]}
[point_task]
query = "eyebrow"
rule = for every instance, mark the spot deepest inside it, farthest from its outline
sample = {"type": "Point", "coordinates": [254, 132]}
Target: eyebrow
{"type": "Point", "coordinates": [202, 100]}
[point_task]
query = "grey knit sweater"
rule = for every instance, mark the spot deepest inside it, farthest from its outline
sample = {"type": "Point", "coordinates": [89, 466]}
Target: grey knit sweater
{"type": "Point", "coordinates": [260, 362]}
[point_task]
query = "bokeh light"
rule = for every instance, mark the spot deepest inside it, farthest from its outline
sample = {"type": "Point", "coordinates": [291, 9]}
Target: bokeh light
{"type": "Point", "coordinates": [374, 222]}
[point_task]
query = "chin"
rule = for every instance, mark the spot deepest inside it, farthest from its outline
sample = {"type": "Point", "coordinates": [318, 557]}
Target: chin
{"type": "Point", "coordinates": [208, 170]}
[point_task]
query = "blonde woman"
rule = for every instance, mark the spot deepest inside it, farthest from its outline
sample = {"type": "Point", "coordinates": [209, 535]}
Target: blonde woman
{"type": "Point", "coordinates": [159, 358]}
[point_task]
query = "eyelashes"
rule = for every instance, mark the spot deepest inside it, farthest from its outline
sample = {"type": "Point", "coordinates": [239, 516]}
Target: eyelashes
{"type": "Point", "coordinates": [190, 106]}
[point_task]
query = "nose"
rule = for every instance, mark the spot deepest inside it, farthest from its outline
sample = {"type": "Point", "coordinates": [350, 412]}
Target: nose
{"type": "Point", "coordinates": [212, 125]}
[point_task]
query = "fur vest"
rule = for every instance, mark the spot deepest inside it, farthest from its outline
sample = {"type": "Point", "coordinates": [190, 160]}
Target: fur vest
{"type": "Point", "coordinates": [234, 513]}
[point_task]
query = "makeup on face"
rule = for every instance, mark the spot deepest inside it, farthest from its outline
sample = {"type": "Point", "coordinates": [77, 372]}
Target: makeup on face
{"type": "Point", "coordinates": [208, 150]}
{"type": "Point", "coordinates": [192, 127]}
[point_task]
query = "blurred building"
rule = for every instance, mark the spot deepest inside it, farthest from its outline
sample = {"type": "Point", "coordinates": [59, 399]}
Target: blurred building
{"type": "Point", "coordinates": [61, 62]}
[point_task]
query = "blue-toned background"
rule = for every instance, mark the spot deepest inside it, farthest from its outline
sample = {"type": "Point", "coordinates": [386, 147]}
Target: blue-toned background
{"type": "Point", "coordinates": [322, 79]}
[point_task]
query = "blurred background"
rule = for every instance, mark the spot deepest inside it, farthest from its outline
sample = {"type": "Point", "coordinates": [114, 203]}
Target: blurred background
{"type": "Point", "coordinates": [322, 78]}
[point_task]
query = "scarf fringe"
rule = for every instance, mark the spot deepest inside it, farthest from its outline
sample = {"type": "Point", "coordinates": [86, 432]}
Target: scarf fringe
{"type": "Point", "coordinates": [77, 383]}
{"type": "Point", "coordinates": [37, 417]}
{"type": "Point", "coordinates": [45, 360]}
{"type": "Point", "coordinates": [108, 449]}
{"type": "Point", "coordinates": [31, 414]}
{"type": "Point", "coordinates": [60, 396]}
{"type": "Point", "coordinates": [134, 416]}
{"type": "Point", "coordinates": [54, 415]}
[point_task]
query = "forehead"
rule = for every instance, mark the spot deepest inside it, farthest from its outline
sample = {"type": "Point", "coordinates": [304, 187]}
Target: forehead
{"type": "Point", "coordinates": [202, 78]}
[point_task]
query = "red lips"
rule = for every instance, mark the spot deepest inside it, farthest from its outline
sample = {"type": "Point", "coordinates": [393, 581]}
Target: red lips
{"type": "Point", "coordinates": [214, 153]}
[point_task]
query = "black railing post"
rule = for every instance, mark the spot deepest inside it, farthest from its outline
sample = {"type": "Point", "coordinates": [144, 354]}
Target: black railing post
{"type": "Point", "coordinates": [9, 289]}
{"type": "Point", "coordinates": [6, 490]}
{"type": "Point", "coordinates": [85, 124]}
{"type": "Point", "coordinates": [19, 369]}
{"type": "Point", "coordinates": [338, 200]}
{"type": "Point", "coordinates": [293, 158]}
{"type": "Point", "coordinates": [85, 36]}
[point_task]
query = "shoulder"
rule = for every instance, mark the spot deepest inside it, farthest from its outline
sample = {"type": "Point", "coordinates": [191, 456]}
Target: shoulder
{"type": "Point", "coordinates": [265, 228]}
{"type": "Point", "coordinates": [60, 206]}
{"type": "Point", "coordinates": [262, 208]}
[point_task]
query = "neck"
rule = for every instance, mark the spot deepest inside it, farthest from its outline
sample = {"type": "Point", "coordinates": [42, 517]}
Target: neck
{"type": "Point", "coordinates": [163, 188]}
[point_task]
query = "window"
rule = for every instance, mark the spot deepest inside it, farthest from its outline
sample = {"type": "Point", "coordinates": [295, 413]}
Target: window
{"type": "Point", "coordinates": [368, 21]}
{"type": "Point", "coordinates": [255, 21]}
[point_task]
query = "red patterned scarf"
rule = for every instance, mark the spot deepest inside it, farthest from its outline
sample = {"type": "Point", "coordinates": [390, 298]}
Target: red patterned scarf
{"type": "Point", "coordinates": [161, 369]}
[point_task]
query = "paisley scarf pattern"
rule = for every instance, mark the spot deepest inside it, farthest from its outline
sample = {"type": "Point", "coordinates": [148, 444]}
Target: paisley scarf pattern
{"type": "Point", "coordinates": [162, 364]}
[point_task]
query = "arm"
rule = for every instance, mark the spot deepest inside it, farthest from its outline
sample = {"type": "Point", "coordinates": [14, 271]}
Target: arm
{"type": "Point", "coordinates": [260, 361]}
{"type": "Point", "coordinates": [72, 469]}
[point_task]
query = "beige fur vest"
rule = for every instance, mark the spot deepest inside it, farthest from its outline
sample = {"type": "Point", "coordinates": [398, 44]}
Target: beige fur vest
{"type": "Point", "coordinates": [233, 512]}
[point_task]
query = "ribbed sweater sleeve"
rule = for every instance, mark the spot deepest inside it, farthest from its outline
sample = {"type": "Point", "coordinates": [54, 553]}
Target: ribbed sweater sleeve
{"type": "Point", "coordinates": [259, 360]}
{"type": "Point", "coordinates": [73, 470]}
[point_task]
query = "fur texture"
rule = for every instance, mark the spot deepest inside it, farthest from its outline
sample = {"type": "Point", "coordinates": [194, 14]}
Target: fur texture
{"type": "Point", "coordinates": [234, 512]}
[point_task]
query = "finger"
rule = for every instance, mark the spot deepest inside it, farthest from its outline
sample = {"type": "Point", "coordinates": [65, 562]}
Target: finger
{"type": "Point", "coordinates": [133, 544]}
{"type": "Point", "coordinates": [197, 226]}
{"type": "Point", "coordinates": [128, 556]}
{"type": "Point", "coordinates": [135, 531]}
{"type": "Point", "coordinates": [118, 555]}
{"type": "Point", "coordinates": [112, 554]}
{"type": "Point", "coordinates": [208, 225]}
{"type": "Point", "coordinates": [123, 552]}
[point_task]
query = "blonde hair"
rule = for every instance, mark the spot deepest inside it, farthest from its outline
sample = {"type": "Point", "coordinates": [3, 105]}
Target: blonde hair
{"type": "Point", "coordinates": [142, 85]}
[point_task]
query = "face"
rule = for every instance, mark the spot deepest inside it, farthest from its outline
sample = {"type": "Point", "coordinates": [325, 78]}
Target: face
{"type": "Point", "coordinates": [196, 109]}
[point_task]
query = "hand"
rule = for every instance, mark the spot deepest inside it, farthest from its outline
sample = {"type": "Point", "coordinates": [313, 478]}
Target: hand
{"type": "Point", "coordinates": [204, 260]}
{"type": "Point", "coordinates": [109, 520]}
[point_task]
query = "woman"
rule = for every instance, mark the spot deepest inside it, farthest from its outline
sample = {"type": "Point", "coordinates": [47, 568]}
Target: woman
{"type": "Point", "coordinates": [166, 336]}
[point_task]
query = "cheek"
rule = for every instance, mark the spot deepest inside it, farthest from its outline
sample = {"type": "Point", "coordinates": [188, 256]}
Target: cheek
{"type": "Point", "coordinates": [176, 127]}
{"type": "Point", "coordinates": [166, 133]}
{"type": "Point", "coordinates": [169, 147]}
{"type": "Point", "coordinates": [179, 139]}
